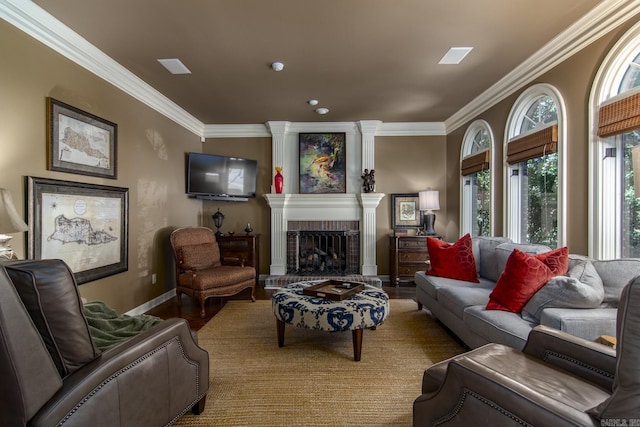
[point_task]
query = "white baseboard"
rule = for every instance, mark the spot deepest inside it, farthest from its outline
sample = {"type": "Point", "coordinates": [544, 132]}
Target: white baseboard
{"type": "Point", "coordinates": [141, 309]}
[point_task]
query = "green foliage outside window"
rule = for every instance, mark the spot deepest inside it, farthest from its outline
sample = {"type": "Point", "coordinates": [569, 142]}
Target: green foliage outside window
{"type": "Point", "coordinates": [630, 204]}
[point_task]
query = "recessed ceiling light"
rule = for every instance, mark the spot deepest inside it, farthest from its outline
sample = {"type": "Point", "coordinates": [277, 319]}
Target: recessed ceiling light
{"type": "Point", "coordinates": [322, 110]}
{"type": "Point", "coordinates": [277, 66]}
{"type": "Point", "coordinates": [174, 65]}
{"type": "Point", "coordinates": [455, 55]}
{"type": "Point", "coordinates": [313, 102]}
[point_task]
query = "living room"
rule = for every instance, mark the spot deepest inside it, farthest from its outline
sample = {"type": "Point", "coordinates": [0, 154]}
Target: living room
{"type": "Point", "coordinates": [152, 144]}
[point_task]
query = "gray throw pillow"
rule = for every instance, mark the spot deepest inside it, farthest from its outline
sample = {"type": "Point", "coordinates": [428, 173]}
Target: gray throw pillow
{"type": "Point", "coordinates": [580, 288]}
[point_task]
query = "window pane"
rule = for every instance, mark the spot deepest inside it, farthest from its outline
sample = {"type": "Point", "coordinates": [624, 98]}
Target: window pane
{"type": "Point", "coordinates": [481, 141]}
{"type": "Point", "coordinates": [542, 111]}
{"type": "Point", "coordinates": [481, 207]}
{"type": "Point", "coordinates": [630, 220]}
{"type": "Point", "coordinates": [631, 78]}
{"type": "Point", "coordinates": [540, 193]}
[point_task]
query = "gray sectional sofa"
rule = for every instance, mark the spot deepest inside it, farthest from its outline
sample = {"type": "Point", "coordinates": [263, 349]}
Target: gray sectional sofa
{"type": "Point", "coordinates": [582, 303]}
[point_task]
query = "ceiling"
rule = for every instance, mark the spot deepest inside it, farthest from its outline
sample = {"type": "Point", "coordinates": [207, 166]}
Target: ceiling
{"type": "Point", "coordinates": [361, 59]}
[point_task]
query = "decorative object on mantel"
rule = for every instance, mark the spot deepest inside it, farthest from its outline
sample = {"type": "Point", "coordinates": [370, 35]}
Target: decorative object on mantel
{"type": "Point", "coordinates": [429, 202]}
{"type": "Point", "coordinates": [10, 222]}
{"type": "Point", "coordinates": [248, 229]}
{"type": "Point", "coordinates": [405, 212]}
{"type": "Point", "coordinates": [278, 180]}
{"type": "Point", "coordinates": [323, 167]}
{"type": "Point", "coordinates": [369, 181]}
{"type": "Point", "coordinates": [218, 219]}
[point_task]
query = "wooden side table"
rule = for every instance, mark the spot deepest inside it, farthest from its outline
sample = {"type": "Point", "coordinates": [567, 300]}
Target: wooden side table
{"type": "Point", "coordinates": [246, 247]}
{"type": "Point", "coordinates": [407, 255]}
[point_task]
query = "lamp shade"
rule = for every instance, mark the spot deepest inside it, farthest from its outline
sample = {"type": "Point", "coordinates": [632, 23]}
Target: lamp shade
{"type": "Point", "coordinates": [10, 221]}
{"type": "Point", "coordinates": [429, 200]}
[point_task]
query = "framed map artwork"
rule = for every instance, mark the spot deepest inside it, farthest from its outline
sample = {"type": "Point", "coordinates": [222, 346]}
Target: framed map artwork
{"type": "Point", "coordinates": [79, 142]}
{"type": "Point", "coordinates": [85, 225]}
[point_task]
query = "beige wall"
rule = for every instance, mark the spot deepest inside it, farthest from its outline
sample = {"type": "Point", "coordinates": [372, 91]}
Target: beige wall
{"type": "Point", "coordinates": [256, 211]}
{"type": "Point", "coordinates": [150, 158]}
{"type": "Point", "coordinates": [573, 78]}
{"type": "Point", "coordinates": [408, 165]}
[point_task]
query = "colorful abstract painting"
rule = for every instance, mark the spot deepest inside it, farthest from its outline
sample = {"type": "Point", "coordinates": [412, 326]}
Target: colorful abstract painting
{"type": "Point", "coordinates": [323, 166]}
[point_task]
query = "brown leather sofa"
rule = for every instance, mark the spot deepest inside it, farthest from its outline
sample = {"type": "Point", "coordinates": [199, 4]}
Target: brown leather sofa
{"type": "Point", "coordinates": [556, 380]}
{"type": "Point", "coordinates": [53, 375]}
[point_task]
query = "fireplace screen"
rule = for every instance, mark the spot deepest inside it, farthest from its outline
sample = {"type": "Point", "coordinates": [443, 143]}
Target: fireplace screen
{"type": "Point", "coordinates": [323, 252]}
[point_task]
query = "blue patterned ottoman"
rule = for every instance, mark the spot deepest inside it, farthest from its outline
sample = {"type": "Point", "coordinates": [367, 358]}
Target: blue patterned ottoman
{"type": "Point", "coordinates": [364, 310]}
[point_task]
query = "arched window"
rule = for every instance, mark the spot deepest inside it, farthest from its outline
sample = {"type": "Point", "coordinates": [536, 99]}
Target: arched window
{"type": "Point", "coordinates": [614, 216]}
{"type": "Point", "coordinates": [534, 175]}
{"type": "Point", "coordinates": [476, 195]}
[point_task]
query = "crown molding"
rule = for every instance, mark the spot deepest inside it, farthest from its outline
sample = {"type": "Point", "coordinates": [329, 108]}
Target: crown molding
{"type": "Point", "coordinates": [35, 21]}
{"type": "Point", "coordinates": [411, 129]}
{"type": "Point", "coordinates": [606, 16]}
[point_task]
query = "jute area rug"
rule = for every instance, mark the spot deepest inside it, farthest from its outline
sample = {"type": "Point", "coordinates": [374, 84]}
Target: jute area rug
{"type": "Point", "coordinates": [313, 380]}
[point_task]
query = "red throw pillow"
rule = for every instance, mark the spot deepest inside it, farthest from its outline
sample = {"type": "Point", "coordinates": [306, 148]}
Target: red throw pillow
{"type": "Point", "coordinates": [453, 261]}
{"type": "Point", "coordinates": [522, 277]}
{"type": "Point", "coordinates": [557, 260]}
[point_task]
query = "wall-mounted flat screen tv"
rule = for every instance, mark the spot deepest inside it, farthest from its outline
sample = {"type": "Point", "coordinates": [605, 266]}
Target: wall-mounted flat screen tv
{"type": "Point", "coordinates": [214, 177]}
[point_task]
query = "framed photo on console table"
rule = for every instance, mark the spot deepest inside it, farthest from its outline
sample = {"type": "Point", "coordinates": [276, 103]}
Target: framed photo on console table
{"type": "Point", "coordinates": [85, 225]}
{"type": "Point", "coordinates": [79, 142]}
{"type": "Point", "coordinates": [405, 211]}
{"type": "Point", "coordinates": [323, 166]}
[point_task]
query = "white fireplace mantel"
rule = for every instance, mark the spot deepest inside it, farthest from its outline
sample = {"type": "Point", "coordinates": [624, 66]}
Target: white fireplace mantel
{"type": "Point", "coordinates": [332, 207]}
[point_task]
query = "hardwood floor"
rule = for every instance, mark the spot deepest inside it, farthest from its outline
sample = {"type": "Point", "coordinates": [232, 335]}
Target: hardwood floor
{"type": "Point", "coordinates": [190, 309]}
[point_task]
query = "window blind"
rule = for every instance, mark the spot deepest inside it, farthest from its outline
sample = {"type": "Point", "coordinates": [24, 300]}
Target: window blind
{"type": "Point", "coordinates": [475, 163]}
{"type": "Point", "coordinates": [530, 146]}
{"type": "Point", "coordinates": [620, 116]}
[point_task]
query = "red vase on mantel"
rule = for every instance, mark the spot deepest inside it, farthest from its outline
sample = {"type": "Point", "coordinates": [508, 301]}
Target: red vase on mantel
{"type": "Point", "coordinates": [278, 180]}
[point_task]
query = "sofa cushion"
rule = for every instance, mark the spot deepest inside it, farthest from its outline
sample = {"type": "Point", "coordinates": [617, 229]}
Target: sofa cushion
{"type": "Point", "coordinates": [588, 324]}
{"type": "Point", "coordinates": [557, 260]}
{"type": "Point", "coordinates": [504, 250]}
{"type": "Point", "coordinates": [615, 274]}
{"type": "Point", "coordinates": [431, 284]}
{"type": "Point", "coordinates": [457, 299]}
{"type": "Point", "coordinates": [498, 326]}
{"type": "Point", "coordinates": [454, 261]}
{"type": "Point", "coordinates": [484, 251]}
{"type": "Point", "coordinates": [522, 277]}
{"type": "Point", "coordinates": [48, 290]}
{"type": "Point", "coordinates": [562, 292]}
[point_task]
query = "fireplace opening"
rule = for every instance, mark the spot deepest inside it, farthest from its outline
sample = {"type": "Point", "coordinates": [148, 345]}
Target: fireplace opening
{"type": "Point", "coordinates": [313, 252]}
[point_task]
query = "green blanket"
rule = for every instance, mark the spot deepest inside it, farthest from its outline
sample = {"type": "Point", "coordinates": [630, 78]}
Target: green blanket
{"type": "Point", "coordinates": [107, 328]}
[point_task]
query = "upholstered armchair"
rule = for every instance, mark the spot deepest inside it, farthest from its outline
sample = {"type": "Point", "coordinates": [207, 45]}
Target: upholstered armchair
{"type": "Point", "coordinates": [52, 373]}
{"type": "Point", "coordinates": [200, 270]}
{"type": "Point", "coordinates": [556, 380]}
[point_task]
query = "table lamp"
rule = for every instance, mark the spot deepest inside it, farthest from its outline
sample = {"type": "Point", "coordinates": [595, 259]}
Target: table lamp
{"type": "Point", "coordinates": [218, 218]}
{"type": "Point", "coordinates": [429, 201]}
{"type": "Point", "coordinates": [10, 222]}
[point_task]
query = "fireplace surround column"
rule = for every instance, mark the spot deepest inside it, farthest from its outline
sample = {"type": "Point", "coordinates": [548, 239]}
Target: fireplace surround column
{"type": "Point", "coordinates": [369, 203]}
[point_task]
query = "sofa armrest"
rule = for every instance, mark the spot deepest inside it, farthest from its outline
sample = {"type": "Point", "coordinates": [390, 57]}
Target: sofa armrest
{"type": "Point", "coordinates": [590, 360]}
{"type": "Point", "coordinates": [151, 379]}
{"type": "Point", "coordinates": [473, 392]}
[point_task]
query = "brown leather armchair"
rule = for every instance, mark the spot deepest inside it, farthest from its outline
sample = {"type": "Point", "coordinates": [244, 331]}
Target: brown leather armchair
{"type": "Point", "coordinates": [200, 270]}
{"type": "Point", "coordinates": [53, 374]}
{"type": "Point", "coordinates": [556, 380]}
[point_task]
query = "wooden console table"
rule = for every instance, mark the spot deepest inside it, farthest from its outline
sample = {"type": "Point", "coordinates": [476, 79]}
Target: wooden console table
{"type": "Point", "coordinates": [245, 247]}
{"type": "Point", "coordinates": [407, 255]}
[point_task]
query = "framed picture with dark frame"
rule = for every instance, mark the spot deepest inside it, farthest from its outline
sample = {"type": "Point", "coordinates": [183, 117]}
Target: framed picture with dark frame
{"type": "Point", "coordinates": [405, 211]}
{"type": "Point", "coordinates": [86, 225]}
{"type": "Point", "coordinates": [79, 142]}
{"type": "Point", "coordinates": [323, 166]}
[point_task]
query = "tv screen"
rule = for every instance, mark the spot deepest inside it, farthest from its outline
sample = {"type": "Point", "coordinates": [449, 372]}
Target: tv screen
{"type": "Point", "coordinates": [210, 175]}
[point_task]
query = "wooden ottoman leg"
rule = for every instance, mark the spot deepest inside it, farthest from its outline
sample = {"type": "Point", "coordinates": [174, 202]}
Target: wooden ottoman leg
{"type": "Point", "coordinates": [357, 344]}
{"type": "Point", "coordinates": [280, 326]}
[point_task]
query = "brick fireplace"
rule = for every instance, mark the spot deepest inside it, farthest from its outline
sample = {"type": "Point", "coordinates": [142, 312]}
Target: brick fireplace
{"type": "Point", "coordinates": [323, 248]}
